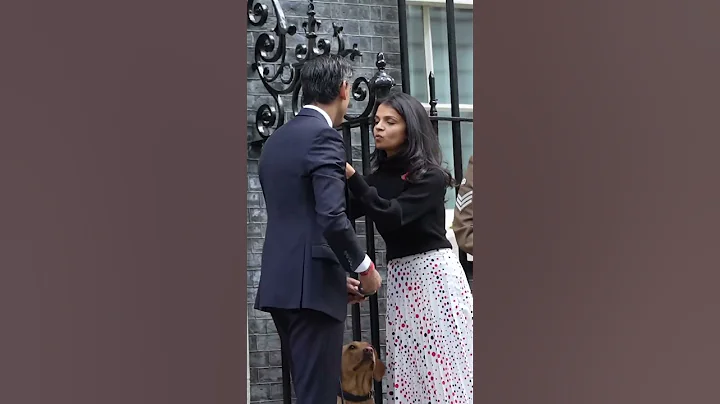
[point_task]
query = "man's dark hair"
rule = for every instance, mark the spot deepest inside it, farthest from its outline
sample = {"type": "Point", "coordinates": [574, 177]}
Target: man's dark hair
{"type": "Point", "coordinates": [321, 77]}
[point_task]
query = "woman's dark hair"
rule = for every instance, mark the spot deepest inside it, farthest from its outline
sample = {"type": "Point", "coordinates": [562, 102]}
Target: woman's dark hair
{"type": "Point", "coordinates": [421, 149]}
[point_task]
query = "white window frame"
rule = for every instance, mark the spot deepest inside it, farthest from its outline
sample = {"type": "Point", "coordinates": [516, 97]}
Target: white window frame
{"type": "Point", "coordinates": [426, 5]}
{"type": "Point", "coordinates": [440, 3]}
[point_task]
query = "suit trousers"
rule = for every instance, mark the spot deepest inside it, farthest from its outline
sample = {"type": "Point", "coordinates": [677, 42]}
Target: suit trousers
{"type": "Point", "coordinates": [313, 342]}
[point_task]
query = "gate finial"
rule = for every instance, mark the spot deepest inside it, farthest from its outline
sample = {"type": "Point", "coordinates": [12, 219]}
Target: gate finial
{"type": "Point", "coordinates": [382, 82]}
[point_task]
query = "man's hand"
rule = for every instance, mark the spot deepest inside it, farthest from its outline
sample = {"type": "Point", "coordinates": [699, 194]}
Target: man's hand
{"type": "Point", "coordinates": [355, 299]}
{"type": "Point", "coordinates": [353, 290]}
{"type": "Point", "coordinates": [371, 281]}
{"type": "Point", "coordinates": [349, 170]}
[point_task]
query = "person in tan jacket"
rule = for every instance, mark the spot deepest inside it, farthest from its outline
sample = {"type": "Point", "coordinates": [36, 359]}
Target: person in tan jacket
{"type": "Point", "coordinates": [463, 217]}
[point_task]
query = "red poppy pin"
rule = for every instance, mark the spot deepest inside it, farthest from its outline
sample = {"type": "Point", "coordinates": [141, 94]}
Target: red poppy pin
{"type": "Point", "coordinates": [404, 176]}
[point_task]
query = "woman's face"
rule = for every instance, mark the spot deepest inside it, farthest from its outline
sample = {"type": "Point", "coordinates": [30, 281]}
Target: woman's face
{"type": "Point", "coordinates": [389, 130]}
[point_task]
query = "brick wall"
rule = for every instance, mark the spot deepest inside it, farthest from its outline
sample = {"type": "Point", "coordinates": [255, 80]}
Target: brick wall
{"type": "Point", "coordinates": [373, 25]}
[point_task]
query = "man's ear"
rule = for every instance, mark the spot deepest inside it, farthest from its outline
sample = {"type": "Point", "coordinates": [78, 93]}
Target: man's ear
{"type": "Point", "coordinates": [379, 370]}
{"type": "Point", "coordinates": [344, 90]}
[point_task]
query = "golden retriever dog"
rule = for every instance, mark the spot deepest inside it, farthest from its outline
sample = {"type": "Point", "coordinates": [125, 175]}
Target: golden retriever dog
{"type": "Point", "coordinates": [360, 366]}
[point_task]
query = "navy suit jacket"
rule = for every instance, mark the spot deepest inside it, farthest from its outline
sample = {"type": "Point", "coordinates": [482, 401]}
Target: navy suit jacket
{"type": "Point", "coordinates": [310, 245]}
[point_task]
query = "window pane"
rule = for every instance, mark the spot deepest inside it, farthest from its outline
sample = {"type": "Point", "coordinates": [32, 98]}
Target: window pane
{"type": "Point", "coordinates": [416, 55]}
{"type": "Point", "coordinates": [464, 46]}
{"type": "Point", "coordinates": [445, 138]}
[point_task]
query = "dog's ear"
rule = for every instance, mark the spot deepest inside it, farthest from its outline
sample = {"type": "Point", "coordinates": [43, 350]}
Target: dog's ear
{"type": "Point", "coordinates": [379, 370]}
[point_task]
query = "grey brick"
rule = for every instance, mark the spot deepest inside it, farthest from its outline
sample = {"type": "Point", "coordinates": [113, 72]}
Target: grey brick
{"type": "Point", "coordinates": [324, 12]}
{"type": "Point", "coordinates": [362, 42]}
{"type": "Point", "coordinates": [365, 27]}
{"type": "Point", "coordinates": [391, 45]}
{"type": "Point", "coordinates": [256, 326]}
{"type": "Point", "coordinates": [255, 230]}
{"type": "Point", "coordinates": [255, 86]}
{"type": "Point", "coordinates": [376, 44]}
{"type": "Point", "coordinates": [260, 392]}
{"type": "Point", "coordinates": [253, 261]}
{"type": "Point", "coordinates": [350, 27]}
{"type": "Point", "coordinates": [258, 359]}
{"type": "Point", "coordinates": [268, 342]}
{"type": "Point", "coordinates": [255, 245]}
{"type": "Point", "coordinates": [384, 28]}
{"type": "Point", "coordinates": [392, 58]}
{"type": "Point", "coordinates": [254, 183]}
{"type": "Point", "coordinates": [254, 199]}
{"type": "Point", "coordinates": [390, 14]}
{"type": "Point", "coordinates": [295, 9]}
{"type": "Point", "coordinates": [252, 167]}
{"type": "Point", "coordinates": [276, 392]}
{"type": "Point", "coordinates": [253, 278]}
{"type": "Point", "coordinates": [380, 2]}
{"type": "Point", "coordinates": [275, 358]}
{"type": "Point", "coordinates": [257, 215]}
{"type": "Point", "coordinates": [251, 295]}
{"type": "Point", "coordinates": [353, 12]}
{"type": "Point", "coordinates": [270, 375]}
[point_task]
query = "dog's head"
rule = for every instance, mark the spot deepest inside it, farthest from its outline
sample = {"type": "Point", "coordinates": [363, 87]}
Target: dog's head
{"type": "Point", "coordinates": [361, 361]}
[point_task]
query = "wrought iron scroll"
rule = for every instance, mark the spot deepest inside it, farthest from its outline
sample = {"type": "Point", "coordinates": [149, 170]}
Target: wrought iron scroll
{"type": "Point", "coordinates": [281, 77]}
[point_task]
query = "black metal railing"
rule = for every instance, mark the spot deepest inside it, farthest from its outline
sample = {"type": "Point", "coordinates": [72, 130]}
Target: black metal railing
{"type": "Point", "coordinates": [379, 86]}
{"type": "Point", "coordinates": [281, 79]}
{"type": "Point", "coordinates": [456, 132]}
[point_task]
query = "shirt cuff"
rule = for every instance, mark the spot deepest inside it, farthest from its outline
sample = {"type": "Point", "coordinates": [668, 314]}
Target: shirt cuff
{"type": "Point", "coordinates": [357, 185]}
{"type": "Point", "coordinates": [364, 266]}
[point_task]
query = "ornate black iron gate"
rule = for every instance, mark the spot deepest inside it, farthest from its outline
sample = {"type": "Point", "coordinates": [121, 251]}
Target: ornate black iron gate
{"type": "Point", "coordinates": [281, 78]}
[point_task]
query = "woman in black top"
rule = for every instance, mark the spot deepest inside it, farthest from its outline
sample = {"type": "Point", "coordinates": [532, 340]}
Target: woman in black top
{"type": "Point", "coordinates": [429, 303]}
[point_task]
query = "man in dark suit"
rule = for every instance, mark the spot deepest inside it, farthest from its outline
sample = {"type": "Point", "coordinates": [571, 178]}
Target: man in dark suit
{"type": "Point", "coordinates": [310, 245]}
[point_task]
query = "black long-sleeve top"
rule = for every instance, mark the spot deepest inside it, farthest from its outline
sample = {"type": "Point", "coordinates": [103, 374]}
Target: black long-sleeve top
{"type": "Point", "coordinates": [410, 217]}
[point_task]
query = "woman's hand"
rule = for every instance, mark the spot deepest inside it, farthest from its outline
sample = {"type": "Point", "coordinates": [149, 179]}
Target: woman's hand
{"type": "Point", "coordinates": [349, 170]}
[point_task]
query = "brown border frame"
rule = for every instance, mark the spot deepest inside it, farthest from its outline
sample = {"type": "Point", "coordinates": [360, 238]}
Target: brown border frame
{"type": "Point", "coordinates": [596, 267]}
{"type": "Point", "coordinates": [123, 219]}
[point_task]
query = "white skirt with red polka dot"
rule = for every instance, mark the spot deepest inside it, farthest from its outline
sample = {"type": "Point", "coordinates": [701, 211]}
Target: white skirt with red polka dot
{"type": "Point", "coordinates": [429, 330]}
